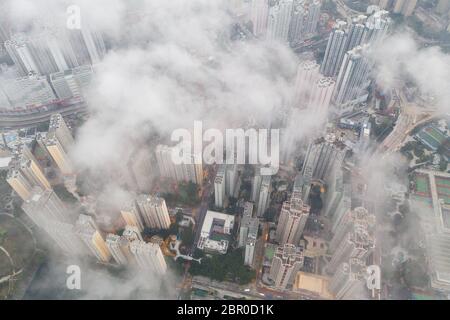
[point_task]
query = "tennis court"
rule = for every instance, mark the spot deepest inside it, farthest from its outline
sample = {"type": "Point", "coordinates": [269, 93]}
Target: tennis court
{"type": "Point", "coordinates": [422, 187]}
{"type": "Point", "coordinates": [443, 188]}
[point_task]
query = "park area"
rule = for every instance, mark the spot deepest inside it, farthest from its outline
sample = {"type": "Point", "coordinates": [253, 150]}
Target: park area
{"type": "Point", "coordinates": [17, 248]}
{"type": "Point", "coordinates": [422, 190]}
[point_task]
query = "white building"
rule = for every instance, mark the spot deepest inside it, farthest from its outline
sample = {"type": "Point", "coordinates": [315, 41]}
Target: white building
{"type": "Point", "coordinates": [191, 170]}
{"type": "Point", "coordinates": [232, 175]}
{"type": "Point", "coordinates": [353, 79]}
{"type": "Point", "coordinates": [148, 256]}
{"type": "Point", "coordinates": [279, 20]}
{"type": "Point", "coordinates": [48, 212]}
{"type": "Point", "coordinates": [215, 231]}
{"type": "Point", "coordinates": [72, 82]}
{"type": "Point", "coordinates": [349, 221]}
{"type": "Point", "coordinates": [349, 281]}
{"type": "Point", "coordinates": [292, 221]}
{"type": "Point", "coordinates": [256, 187]}
{"type": "Point", "coordinates": [87, 230]}
{"type": "Point", "coordinates": [287, 261]}
{"type": "Point", "coordinates": [30, 90]}
{"type": "Point", "coordinates": [141, 169]}
{"type": "Point", "coordinates": [118, 247]}
{"type": "Point", "coordinates": [304, 20]}
{"type": "Point", "coordinates": [259, 15]}
{"type": "Point", "coordinates": [336, 48]}
{"type": "Point", "coordinates": [357, 243]}
{"type": "Point", "coordinates": [321, 157]}
{"type": "Point", "coordinates": [153, 211]}
{"type": "Point", "coordinates": [219, 187]}
{"type": "Point", "coordinates": [321, 95]}
{"type": "Point", "coordinates": [264, 196]}
{"type": "Point", "coordinates": [307, 75]}
{"type": "Point", "coordinates": [244, 224]}
{"type": "Point", "coordinates": [131, 215]}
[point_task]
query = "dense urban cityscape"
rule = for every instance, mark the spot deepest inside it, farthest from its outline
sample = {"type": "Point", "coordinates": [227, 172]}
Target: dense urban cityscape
{"type": "Point", "coordinates": [225, 150]}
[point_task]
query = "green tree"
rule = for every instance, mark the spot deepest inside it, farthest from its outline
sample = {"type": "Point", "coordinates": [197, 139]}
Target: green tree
{"type": "Point", "coordinates": [443, 164]}
{"type": "Point", "coordinates": [173, 229]}
{"type": "Point", "coordinates": [187, 237]}
{"type": "Point", "coordinates": [179, 216]}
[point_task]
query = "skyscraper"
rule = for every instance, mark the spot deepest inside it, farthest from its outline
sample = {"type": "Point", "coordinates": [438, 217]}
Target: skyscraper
{"type": "Point", "coordinates": [297, 27]}
{"type": "Point", "coordinates": [256, 187]}
{"type": "Point", "coordinates": [132, 216]}
{"type": "Point", "coordinates": [321, 95]}
{"type": "Point", "coordinates": [244, 223]}
{"type": "Point", "coordinates": [58, 154]}
{"type": "Point", "coordinates": [312, 18]}
{"type": "Point", "coordinates": [5, 30]}
{"type": "Point", "coordinates": [304, 20]}
{"type": "Point", "coordinates": [353, 79]}
{"type": "Point", "coordinates": [23, 55]}
{"type": "Point", "coordinates": [350, 220]}
{"type": "Point", "coordinates": [232, 175]}
{"type": "Point", "coordinates": [191, 171]}
{"type": "Point", "coordinates": [259, 15]}
{"type": "Point", "coordinates": [118, 247]}
{"type": "Point", "coordinates": [43, 53]}
{"type": "Point", "coordinates": [142, 169]}
{"type": "Point", "coordinates": [443, 6]}
{"type": "Point", "coordinates": [357, 243]}
{"type": "Point", "coordinates": [405, 7]}
{"type": "Point", "coordinates": [356, 32]}
{"type": "Point", "coordinates": [87, 230]}
{"type": "Point", "coordinates": [307, 75]}
{"type": "Point", "coordinates": [48, 212]}
{"type": "Point", "coordinates": [335, 190]}
{"type": "Point", "coordinates": [20, 184]}
{"type": "Point", "coordinates": [45, 204]}
{"type": "Point", "coordinates": [154, 211]}
{"type": "Point", "coordinates": [249, 253]}
{"type": "Point", "coordinates": [279, 20]}
{"type": "Point", "coordinates": [248, 233]}
{"type": "Point", "coordinates": [321, 156]}
{"type": "Point", "coordinates": [72, 82]}
{"type": "Point", "coordinates": [292, 221]}
{"type": "Point", "coordinates": [30, 90]}
{"type": "Point", "coordinates": [219, 187]}
{"type": "Point", "coordinates": [362, 30]}
{"type": "Point", "coordinates": [264, 196]}
{"type": "Point", "coordinates": [336, 48]}
{"type": "Point", "coordinates": [164, 159]}
{"type": "Point", "coordinates": [132, 233]}
{"type": "Point", "coordinates": [88, 45]}
{"type": "Point", "coordinates": [57, 142]}
{"type": "Point", "coordinates": [148, 256]}
{"type": "Point", "coordinates": [25, 173]}
{"type": "Point", "coordinates": [349, 282]}
{"type": "Point", "coordinates": [61, 130]}
{"type": "Point", "coordinates": [286, 262]}
{"type": "Point", "coordinates": [377, 27]}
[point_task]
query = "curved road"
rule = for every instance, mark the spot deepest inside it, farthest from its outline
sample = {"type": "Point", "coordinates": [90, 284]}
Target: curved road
{"type": "Point", "coordinates": [24, 120]}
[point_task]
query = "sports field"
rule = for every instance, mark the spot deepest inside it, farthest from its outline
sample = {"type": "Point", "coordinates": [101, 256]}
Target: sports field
{"type": "Point", "coordinates": [422, 185]}
{"type": "Point", "coordinates": [443, 188]}
{"type": "Point", "coordinates": [432, 137]}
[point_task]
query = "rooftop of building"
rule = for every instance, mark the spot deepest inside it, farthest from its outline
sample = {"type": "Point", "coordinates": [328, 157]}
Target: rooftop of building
{"type": "Point", "coordinates": [248, 209]}
{"type": "Point", "coordinates": [212, 217]}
